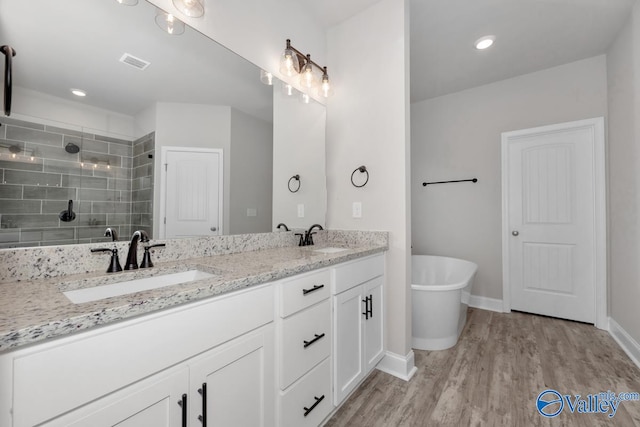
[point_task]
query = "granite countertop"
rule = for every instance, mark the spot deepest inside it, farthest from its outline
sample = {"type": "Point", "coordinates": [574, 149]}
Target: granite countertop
{"type": "Point", "coordinates": [35, 310]}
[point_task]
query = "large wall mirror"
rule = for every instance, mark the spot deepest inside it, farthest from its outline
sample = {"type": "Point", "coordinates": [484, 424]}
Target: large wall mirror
{"type": "Point", "coordinates": [99, 159]}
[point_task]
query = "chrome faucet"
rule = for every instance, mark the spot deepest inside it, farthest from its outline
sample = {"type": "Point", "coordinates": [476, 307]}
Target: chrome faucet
{"type": "Point", "coordinates": [132, 256]}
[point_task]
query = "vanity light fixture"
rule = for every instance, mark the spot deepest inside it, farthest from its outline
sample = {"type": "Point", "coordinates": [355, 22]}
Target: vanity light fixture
{"type": "Point", "coordinates": [79, 92]}
{"type": "Point", "coordinates": [293, 62]}
{"type": "Point", "coordinates": [169, 23]}
{"type": "Point", "coordinates": [191, 8]}
{"type": "Point", "coordinates": [128, 2]}
{"type": "Point", "coordinates": [485, 42]}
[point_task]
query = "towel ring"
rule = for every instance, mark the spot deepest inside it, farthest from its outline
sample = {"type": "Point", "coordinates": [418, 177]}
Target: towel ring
{"type": "Point", "coordinates": [297, 178]}
{"type": "Point", "coordinates": [362, 169]}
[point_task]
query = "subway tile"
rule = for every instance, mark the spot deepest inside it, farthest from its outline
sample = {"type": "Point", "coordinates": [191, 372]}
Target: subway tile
{"type": "Point", "coordinates": [90, 232]}
{"type": "Point", "coordinates": [34, 135]}
{"type": "Point", "coordinates": [101, 159]}
{"type": "Point", "coordinates": [20, 207]}
{"type": "Point", "coordinates": [9, 235]}
{"type": "Point", "coordinates": [42, 234]}
{"type": "Point", "coordinates": [49, 193]}
{"type": "Point", "coordinates": [3, 131]}
{"type": "Point", "coordinates": [126, 162]}
{"type": "Point", "coordinates": [98, 195]}
{"type": "Point", "coordinates": [111, 207]}
{"type": "Point", "coordinates": [29, 220]}
{"type": "Point", "coordinates": [64, 131]}
{"type": "Point", "coordinates": [84, 182]}
{"type": "Point", "coordinates": [149, 145]}
{"type": "Point", "coordinates": [88, 144]}
{"type": "Point", "coordinates": [32, 178]}
{"type": "Point", "coordinates": [119, 184]}
{"type": "Point", "coordinates": [141, 160]}
{"type": "Point", "coordinates": [23, 164]}
{"type": "Point", "coordinates": [138, 149]}
{"type": "Point", "coordinates": [119, 219]}
{"type": "Point", "coordinates": [14, 122]}
{"type": "Point", "coordinates": [142, 195]}
{"type": "Point", "coordinates": [141, 207]}
{"type": "Point", "coordinates": [113, 140]}
{"type": "Point", "coordinates": [64, 167]}
{"type": "Point", "coordinates": [86, 220]}
{"type": "Point", "coordinates": [63, 242]}
{"type": "Point", "coordinates": [118, 173]}
{"type": "Point", "coordinates": [8, 191]}
{"type": "Point", "coordinates": [57, 206]}
{"type": "Point", "coordinates": [146, 170]}
{"type": "Point", "coordinates": [13, 245]}
{"type": "Point", "coordinates": [49, 152]}
{"type": "Point", "coordinates": [121, 150]}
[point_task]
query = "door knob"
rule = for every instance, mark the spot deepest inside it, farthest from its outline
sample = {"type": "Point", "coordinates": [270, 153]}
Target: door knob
{"type": "Point", "coordinates": [515, 232]}
{"type": "Point", "coordinates": [214, 229]}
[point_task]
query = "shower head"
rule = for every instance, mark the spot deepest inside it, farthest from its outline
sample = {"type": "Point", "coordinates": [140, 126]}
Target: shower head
{"type": "Point", "coordinates": [72, 148]}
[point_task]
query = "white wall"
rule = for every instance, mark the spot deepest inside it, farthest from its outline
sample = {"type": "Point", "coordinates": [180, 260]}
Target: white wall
{"type": "Point", "coordinates": [251, 161]}
{"type": "Point", "coordinates": [298, 149]}
{"type": "Point", "coordinates": [623, 72]}
{"type": "Point", "coordinates": [192, 125]}
{"type": "Point", "coordinates": [367, 124]}
{"type": "Point", "coordinates": [457, 136]}
{"type": "Point", "coordinates": [54, 111]}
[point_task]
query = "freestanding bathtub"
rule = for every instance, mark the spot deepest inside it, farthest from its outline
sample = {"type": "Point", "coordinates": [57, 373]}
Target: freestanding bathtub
{"type": "Point", "coordinates": [440, 290]}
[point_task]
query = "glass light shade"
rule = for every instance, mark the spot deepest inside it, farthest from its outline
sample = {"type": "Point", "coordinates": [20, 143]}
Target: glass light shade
{"type": "Point", "coordinates": [266, 77]}
{"type": "Point", "coordinates": [289, 65]}
{"type": "Point", "coordinates": [325, 90]}
{"type": "Point", "coordinates": [128, 2]}
{"type": "Point", "coordinates": [169, 23]}
{"type": "Point", "coordinates": [288, 90]}
{"type": "Point", "coordinates": [191, 8]}
{"type": "Point", "coordinates": [308, 78]}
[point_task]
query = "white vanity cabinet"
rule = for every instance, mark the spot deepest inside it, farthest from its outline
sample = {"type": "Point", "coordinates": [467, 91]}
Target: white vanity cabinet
{"type": "Point", "coordinates": [357, 289]}
{"type": "Point", "coordinates": [303, 329]}
{"type": "Point", "coordinates": [136, 372]}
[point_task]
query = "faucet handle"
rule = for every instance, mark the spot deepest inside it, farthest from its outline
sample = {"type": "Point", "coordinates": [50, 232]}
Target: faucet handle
{"type": "Point", "coordinates": [114, 264]}
{"type": "Point", "coordinates": [301, 242]}
{"type": "Point", "coordinates": [310, 238]}
{"type": "Point", "coordinates": [146, 258]}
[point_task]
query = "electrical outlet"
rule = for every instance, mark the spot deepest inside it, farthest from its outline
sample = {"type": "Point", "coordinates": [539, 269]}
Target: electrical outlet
{"type": "Point", "coordinates": [357, 209]}
{"type": "Point", "coordinates": [301, 210]}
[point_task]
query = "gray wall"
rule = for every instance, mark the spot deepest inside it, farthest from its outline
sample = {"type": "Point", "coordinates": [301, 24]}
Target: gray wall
{"type": "Point", "coordinates": [623, 76]}
{"type": "Point", "coordinates": [457, 136]}
{"type": "Point", "coordinates": [36, 185]}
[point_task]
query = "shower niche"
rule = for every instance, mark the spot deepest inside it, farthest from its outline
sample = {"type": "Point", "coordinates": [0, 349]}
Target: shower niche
{"type": "Point", "coordinates": [61, 185]}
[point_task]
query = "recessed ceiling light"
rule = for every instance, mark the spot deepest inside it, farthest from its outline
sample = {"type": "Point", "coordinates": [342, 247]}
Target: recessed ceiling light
{"type": "Point", "coordinates": [78, 92]}
{"type": "Point", "coordinates": [485, 42]}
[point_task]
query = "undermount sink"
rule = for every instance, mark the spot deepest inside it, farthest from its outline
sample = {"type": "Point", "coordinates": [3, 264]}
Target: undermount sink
{"type": "Point", "coordinates": [330, 250]}
{"type": "Point", "coordinates": [96, 293]}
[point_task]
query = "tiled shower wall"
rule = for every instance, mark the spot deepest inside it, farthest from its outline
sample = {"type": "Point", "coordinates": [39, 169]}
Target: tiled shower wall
{"type": "Point", "coordinates": [142, 183]}
{"type": "Point", "coordinates": [38, 177]}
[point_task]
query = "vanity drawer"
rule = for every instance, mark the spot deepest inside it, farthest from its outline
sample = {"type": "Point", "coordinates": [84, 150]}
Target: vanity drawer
{"type": "Point", "coordinates": [304, 291]}
{"type": "Point", "coordinates": [346, 276]}
{"type": "Point", "coordinates": [306, 340]}
{"type": "Point", "coordinates": [303, 395]}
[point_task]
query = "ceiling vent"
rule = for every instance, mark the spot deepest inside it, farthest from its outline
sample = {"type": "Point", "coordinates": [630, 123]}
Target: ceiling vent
{"type": "Point", "coordinates": [138, 63]}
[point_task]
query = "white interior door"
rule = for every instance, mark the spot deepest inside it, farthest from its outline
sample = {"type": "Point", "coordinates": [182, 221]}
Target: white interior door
{"type": "Point", "coordinates": [193, 192]}
{"type": "Point", "coordinates": [550, 227]}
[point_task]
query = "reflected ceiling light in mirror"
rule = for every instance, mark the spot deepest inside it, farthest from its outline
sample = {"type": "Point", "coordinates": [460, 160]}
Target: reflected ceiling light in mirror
{"type": "Point", "coordinates": [305, 98]}
{"type": "Point", "coordinates": [288, 90]}
{"type": "Point", "coordinates": [79, 93]}
{"type": "Point", "coordinates": [169, 23]}
{"type": "Point", "coordinates": [266, 77]}
{"type": "Point", "coordinates": [294, 62]}
{"type": "Point", "coordinates": [191, 8]}
{"type": "Point", "coordinates": [484, 42]}
{"type": "Point", "coordinates": [128, 2]}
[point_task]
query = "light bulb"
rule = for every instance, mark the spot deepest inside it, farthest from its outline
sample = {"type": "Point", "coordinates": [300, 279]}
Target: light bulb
{"type": "Point", "coordinates": [325, 89]}
{"type": "Point", "coordinates": [307, 76]}
{"type": "Point", "coordinates": [169, 23]}
{"type": "Point", "coordinates": [191, 8]}
{"type": "Point", "coordinates": [305, 98]}
{"type": "Point", "coordinates": [287, 89]}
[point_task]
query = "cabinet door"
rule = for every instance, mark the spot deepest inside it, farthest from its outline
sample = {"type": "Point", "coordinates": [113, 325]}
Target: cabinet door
{"type": "Point", "coordinates": [155, 402]}
{"type": "Point", "coordinates": [348, 324]}
{"type": "Point", "coordinates": [234, 384]}
{"type": "Point", "coordinates": [373, 328]}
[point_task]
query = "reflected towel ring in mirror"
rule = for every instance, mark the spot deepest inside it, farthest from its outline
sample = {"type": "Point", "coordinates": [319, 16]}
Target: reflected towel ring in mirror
{"type": "Point", "coordinates": [9, 53]}
{"type": "Point", "coordinates": [361, 169]}
{"type": "Point", "coordinates": [297, 178]}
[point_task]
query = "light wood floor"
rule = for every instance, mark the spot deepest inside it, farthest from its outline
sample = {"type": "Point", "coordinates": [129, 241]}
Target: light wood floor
{"type": "Point", "coordinates": [494, 374]}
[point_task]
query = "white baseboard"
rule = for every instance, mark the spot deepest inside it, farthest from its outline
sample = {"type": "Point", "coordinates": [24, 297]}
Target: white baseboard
{"type": "Point", "coordinates": [485, 303]}
{"type": "Point", "coordinates": [399, 366]}
{"type": "Point", "coordinates": [626, 341]}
